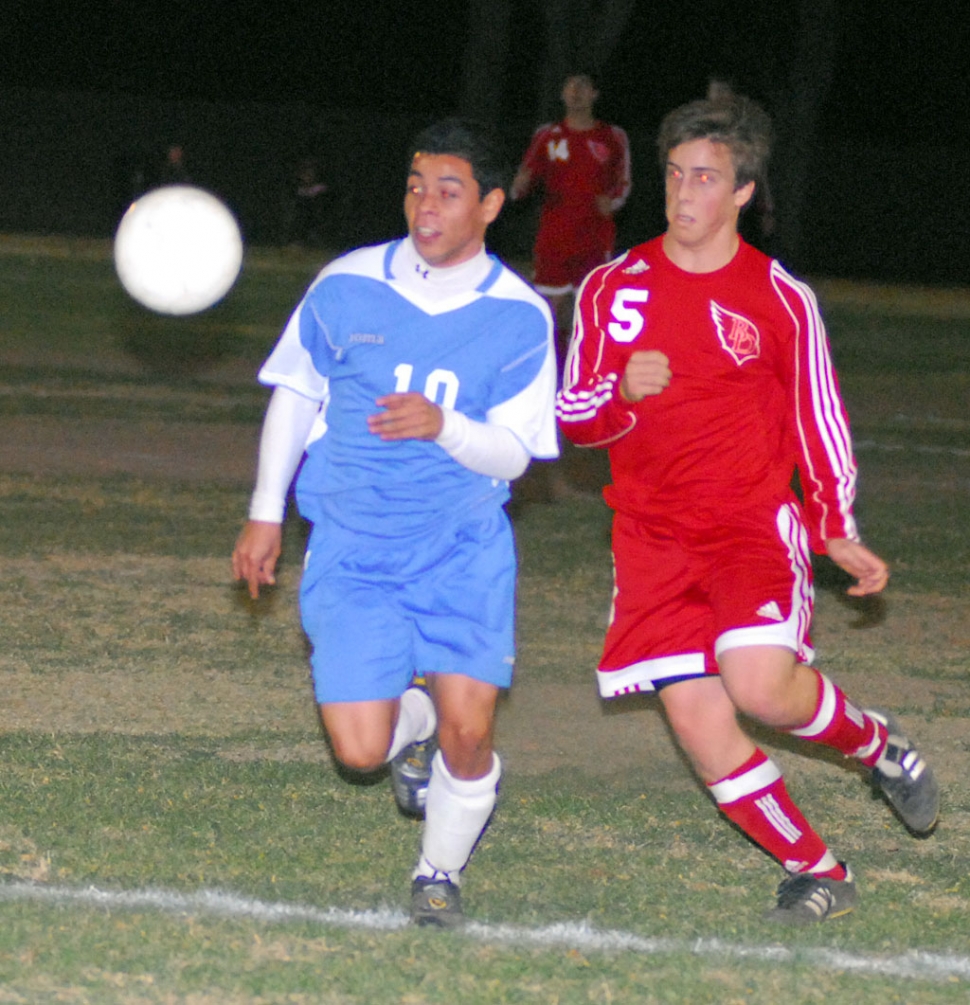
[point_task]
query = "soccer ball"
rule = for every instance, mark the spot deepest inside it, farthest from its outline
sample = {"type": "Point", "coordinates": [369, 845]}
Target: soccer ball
{"type": "Point", "coordinates": [178, 249]}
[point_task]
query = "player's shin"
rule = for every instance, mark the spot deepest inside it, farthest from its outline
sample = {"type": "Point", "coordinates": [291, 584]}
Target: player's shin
{"type": "Point", "coordinates": [456, 813]}
{"type": "Point", "coordinates": [755, 799]}
{"type": "Point", "coordinates": [840, 724]}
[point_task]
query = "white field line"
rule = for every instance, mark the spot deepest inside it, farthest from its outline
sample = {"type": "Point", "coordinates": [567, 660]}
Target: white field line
{"type": "Point", "coordinates": [915, 964]}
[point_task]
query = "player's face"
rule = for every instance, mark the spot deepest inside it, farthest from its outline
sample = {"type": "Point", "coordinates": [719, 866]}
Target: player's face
{"type": "Point", "coordinates": [702, 201]}
{"type": "Point", "coordinates": [446, 218]}
{"type": "Point", "coordinates": [579, 94]}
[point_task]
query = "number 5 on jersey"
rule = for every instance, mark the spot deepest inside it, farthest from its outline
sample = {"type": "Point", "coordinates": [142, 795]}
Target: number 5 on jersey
{"type": "Point", "coordinates": [627, 320]}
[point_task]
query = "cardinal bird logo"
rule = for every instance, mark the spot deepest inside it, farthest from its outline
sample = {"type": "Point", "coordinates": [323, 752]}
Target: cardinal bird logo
{"type": "Point", "coordinates": [599, 150]}
{"type": "Point", "coordinates": [738, 336]}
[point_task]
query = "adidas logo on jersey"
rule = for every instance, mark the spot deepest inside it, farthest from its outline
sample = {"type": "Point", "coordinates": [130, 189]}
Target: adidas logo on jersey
{"type": "Point", "coordinates": [636, 268]}
{"type": "Point", "coordinates": [771, 610]}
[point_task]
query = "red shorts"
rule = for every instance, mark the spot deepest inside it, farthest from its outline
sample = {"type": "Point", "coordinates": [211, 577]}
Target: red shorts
{"type": "Point", "coordinates": [678, 604]}
{"type": "Point", "coordinates": [562, 273]}
{"type": "Point", "coordinates": [564, 256]}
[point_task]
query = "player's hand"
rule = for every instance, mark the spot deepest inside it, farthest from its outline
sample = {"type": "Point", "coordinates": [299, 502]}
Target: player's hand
{"type": "Point", "coordinates": [254, 557]}
{"type": "Point", "coordinates": [647, 372]}
{"type": "Point", "coordinates": [604, 204]}
{"type": "Point", "coordinates": [407, 415]}
{"type": "Point", "coordinates": [857, 560]}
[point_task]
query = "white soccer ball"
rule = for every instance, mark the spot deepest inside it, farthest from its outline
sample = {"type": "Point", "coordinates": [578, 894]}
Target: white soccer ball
{"type": "Point", "coordinates": [178, 249]}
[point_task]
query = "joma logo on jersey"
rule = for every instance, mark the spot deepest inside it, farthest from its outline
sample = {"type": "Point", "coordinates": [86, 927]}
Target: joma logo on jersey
{"type": "Point", "coordinates": [366, 337]}
{"type": "Point", "coordinates": [738, 336]}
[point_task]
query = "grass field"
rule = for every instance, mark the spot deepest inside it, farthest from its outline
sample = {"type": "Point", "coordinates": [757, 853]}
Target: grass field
{"type": "Point", "coordinates": [172, 828]}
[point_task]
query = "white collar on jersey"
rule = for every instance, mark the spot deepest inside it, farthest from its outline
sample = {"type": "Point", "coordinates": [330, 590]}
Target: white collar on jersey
{"type": "Point", "coordinates": [413, 273]}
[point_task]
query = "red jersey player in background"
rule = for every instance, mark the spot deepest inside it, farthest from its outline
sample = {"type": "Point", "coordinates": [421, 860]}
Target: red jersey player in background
{"type": "Point", "coordinates": [583, 168]}
{"type": "Point", "coordinates": [704, 368]}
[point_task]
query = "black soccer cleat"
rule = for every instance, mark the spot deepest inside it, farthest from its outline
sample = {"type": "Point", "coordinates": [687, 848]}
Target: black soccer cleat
{"type": "Point", "coordinates": [904, 779]}
{"type": "Point", "coordinates": [436, 902]}
{"type": "Point", "coordinates": [805, 899]}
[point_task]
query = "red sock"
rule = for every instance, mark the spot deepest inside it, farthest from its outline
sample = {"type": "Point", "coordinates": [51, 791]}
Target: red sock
{"type": "Point", "coordinates": [838, 723]}
{"type": "Point", "coordinates": [755, 799]}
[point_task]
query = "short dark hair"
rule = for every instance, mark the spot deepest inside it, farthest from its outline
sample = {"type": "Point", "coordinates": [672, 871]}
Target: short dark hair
{"type": "Point", "coordinates": [741, 124]}
{"type": "Point", "coordinates": [582, 71]}
{"type": "Point", "coordinates": [472, 141]}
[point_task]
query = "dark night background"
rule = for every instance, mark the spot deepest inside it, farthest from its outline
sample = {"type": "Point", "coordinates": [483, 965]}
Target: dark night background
{"type": "Point", "coordinates": [88, 92]}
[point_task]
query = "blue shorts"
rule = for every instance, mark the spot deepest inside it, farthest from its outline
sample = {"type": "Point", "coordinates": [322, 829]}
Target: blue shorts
{"type": "Point", "coordinates": [377, 610]}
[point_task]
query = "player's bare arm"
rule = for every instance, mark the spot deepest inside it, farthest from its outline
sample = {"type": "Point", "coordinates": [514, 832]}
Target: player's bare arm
{"type": "Point", "coordinates": [255, 555]}
{"type": "Point", "coordinates": [647, 373]}
{"type": "Point", "coordinates": [870, 571]}
{"type": "Point", "coordinates": [604, 203]}
{"type": "Point", "coordinates": [407, 415]}
{"type": "Point", "coordinates": [521, 184]}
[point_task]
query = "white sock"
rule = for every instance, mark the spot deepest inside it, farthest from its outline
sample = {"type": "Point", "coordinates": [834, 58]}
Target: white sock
{"type": "Point", "coordinates": [455, 815]}
{"type": "Point", "coordinates": [825, 864]}
{"type": "Point", "coordinates": [416, 720]}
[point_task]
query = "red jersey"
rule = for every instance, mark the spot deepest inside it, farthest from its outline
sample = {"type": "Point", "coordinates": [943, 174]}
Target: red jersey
{"type": "Point", "coordinates": [752, 397]}
{"type": "Point", "coordinates": [574, 167]}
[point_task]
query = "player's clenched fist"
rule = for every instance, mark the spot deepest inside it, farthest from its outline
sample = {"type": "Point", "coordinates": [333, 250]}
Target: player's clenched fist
{"type": "Point", "coordinates": [647, 372]}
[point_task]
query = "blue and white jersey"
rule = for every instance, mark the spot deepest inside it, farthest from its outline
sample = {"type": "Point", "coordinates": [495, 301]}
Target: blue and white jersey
{"type": "Point", "coordinates": [474, 338]}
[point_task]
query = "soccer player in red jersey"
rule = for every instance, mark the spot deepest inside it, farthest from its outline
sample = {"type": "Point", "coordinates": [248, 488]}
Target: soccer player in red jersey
{"type": "Point", "coordinates": [583, 168]}
{"type": "Point", "coordinates": [703, 366]}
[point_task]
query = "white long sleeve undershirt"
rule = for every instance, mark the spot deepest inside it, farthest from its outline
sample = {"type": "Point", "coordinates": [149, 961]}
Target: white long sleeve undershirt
{"type": "Point", "coordinates": [491, 450]}
{"type": "Point", "coordinates": [482, 447]}
{"type": "Point", "coordinates": [286, 429]}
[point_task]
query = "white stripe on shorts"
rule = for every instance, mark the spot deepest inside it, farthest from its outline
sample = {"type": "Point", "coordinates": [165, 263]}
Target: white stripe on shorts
{"type": "Point", "coordinates": [646, 675]}
{"type": "Point", "coordinates": [791, 633]}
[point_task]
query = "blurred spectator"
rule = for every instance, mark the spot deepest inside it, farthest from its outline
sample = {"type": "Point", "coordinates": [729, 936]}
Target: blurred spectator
{"type": "Point", "coordinates": [173, 170]}
{"type": "Point", "coordinates": [306, 211]}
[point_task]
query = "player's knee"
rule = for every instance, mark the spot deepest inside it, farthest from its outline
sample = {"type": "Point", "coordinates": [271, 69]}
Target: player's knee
{"type": "Point", "coordinates": [763, 699]}
{"type": "Point", "coordinates": [762, 682]}
{"type": "Point", "coordinates": [700, 713]}
{"type": "Point", "coordinates": [466, 747]}
{"type": "Point", "coordinates": [464, 736]}
{"type": "Point", "coordinates": [359, 753]}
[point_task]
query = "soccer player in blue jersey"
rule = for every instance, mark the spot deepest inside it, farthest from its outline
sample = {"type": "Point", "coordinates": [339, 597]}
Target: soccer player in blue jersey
{"type": "Point", "coordinates": [414, 380]}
